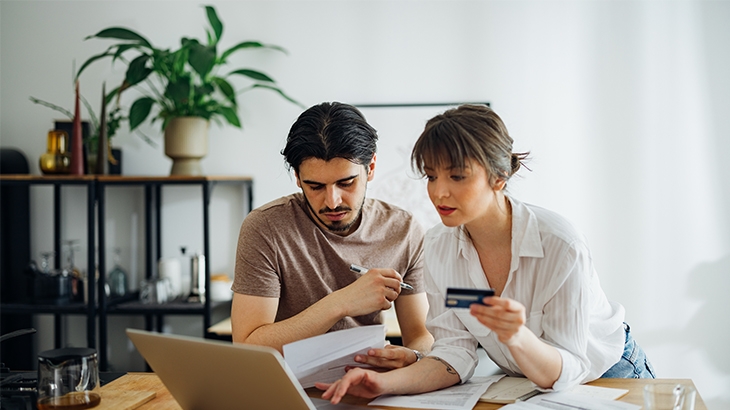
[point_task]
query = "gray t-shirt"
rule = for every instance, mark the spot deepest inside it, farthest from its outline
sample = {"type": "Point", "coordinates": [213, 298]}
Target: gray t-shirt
{"type": "Point", "coordinates": [282, 253]}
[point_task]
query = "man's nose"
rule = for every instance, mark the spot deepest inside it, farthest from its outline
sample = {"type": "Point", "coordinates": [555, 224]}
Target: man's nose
{"type": "Point", "coordinates": [333, 198]}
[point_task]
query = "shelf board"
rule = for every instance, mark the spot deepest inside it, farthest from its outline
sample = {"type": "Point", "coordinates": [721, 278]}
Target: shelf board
{"type": "Point", "coordinates": [173, 308]}
{"type": "Point", "coordinates": [32, 308]}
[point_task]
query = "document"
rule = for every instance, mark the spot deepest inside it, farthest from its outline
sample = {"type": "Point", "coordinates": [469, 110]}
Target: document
{"type": "Point", "coordinates": [323, 358]}
{"type": "Point", "coordinates": [458, 397]}
{"type": "Point", "coordinates": [512, 389]}
{"type": "Point", "coordinates": [569, 401]}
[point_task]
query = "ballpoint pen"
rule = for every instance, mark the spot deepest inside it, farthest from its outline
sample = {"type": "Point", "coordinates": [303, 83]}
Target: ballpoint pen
{"type": "Point", "coordinates": [361, 270]}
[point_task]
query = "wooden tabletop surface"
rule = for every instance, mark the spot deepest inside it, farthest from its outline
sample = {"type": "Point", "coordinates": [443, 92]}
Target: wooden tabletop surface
{"type": "Point", "coordinates": [163, 400]}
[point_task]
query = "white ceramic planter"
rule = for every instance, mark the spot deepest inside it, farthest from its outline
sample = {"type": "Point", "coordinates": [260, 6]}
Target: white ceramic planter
{"type": "Point", "coordinates": [186, 143]}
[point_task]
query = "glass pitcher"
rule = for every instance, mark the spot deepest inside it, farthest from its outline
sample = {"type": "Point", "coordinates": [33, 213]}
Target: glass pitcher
{"type": "Point", "coordinates": [68, 379]}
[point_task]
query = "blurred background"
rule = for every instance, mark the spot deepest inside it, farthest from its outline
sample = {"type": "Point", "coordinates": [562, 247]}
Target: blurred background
{"type": "Point", "coordinates": [623, 106]}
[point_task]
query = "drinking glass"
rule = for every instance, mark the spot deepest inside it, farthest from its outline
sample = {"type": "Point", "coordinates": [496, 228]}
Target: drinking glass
{"type": "Point", "coordinates": [665, 396]}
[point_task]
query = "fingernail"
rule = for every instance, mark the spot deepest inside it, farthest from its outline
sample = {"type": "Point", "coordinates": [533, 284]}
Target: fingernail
{"type": "Point", "coordinates": [358, 359]}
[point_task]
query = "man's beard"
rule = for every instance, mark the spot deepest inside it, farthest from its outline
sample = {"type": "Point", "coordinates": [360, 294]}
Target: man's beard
{"type": "Point", "coordinates": [336, 226]}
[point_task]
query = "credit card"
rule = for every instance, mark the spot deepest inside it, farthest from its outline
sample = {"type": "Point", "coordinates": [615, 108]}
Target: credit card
{"type": "Point", "coordinates": [462, 298]}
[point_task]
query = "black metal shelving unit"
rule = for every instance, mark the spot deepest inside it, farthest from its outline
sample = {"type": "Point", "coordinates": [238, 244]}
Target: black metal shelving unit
{"type": "Point", "coordinates": [89, 309]}
{"type": "Point", "coordinates": [97, 186]}
{"type": "Point", "coordinates": [154, 313]}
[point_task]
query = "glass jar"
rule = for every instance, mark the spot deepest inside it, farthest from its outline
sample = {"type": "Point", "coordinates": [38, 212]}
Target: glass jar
{"type": "Point", "coordinates": [117, 277]}
{"type": "Point", "coordinates": [56, 159]}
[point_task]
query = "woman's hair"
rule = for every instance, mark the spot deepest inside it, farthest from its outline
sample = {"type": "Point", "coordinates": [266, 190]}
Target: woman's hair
{"type": "Point", "coordinates": [330, 130]}
{"type": "Point", "coordinates": [467, 132]}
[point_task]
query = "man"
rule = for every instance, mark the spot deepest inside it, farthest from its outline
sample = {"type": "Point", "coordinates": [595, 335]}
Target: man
{"type": "Point", "coordinates": [292, 264]}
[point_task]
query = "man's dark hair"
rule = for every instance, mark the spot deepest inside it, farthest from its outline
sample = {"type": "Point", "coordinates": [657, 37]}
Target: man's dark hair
{"type": "Point", "coordinates": [327, 131]}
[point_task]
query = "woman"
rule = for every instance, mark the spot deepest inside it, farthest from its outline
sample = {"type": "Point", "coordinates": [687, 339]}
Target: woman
{"type": "Point", "coordinates": [549, 320]}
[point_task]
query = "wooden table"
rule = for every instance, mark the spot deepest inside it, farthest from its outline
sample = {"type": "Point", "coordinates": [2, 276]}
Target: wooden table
{"type": "Point", "coordinates": [392, 328]}
{"type": "Point", "coordinates": [165, 401]}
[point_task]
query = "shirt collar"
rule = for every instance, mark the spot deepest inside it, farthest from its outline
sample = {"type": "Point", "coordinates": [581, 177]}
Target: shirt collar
{"type": "Point", "coordinates": [526, 239]}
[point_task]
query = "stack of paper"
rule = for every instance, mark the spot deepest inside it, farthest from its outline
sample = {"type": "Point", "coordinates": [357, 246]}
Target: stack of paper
{"type": "Point", "coordinates": [512, 389]}
{"type": "Point", "coordinates": [323, 358]}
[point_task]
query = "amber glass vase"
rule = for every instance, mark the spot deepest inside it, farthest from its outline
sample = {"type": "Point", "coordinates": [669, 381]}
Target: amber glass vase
{"type": "Point", "coordinates": [57, 159]}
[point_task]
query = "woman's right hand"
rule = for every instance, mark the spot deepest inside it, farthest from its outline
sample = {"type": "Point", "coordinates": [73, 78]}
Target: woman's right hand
{"type": "Point", "coordinates": [357, 382]}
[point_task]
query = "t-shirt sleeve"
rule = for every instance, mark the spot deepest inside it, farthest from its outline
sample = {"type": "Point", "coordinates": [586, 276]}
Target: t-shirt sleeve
{"type": "Point", "coordinates": [414, 275]}
{"type": "Point", "coordinates": [256, 260]}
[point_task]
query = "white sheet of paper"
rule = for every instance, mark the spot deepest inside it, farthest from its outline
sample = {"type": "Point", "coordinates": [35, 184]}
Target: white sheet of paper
{"type": "Point", "coordinates": [458, 397]}
{"type": "Point", "coordinates": [570, 401]}
{"type": "Point", "coordinates": [323, 358]}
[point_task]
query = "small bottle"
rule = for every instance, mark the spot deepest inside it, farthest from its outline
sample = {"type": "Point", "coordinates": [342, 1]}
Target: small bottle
{"type": "Point", "coordinates": [117, 277]}
{"type": "Point", "coordinates": [76, 281]}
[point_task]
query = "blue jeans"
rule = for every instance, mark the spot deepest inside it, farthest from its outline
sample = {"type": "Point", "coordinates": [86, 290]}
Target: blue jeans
{"type": "Point", "coordinates": [633, 363]}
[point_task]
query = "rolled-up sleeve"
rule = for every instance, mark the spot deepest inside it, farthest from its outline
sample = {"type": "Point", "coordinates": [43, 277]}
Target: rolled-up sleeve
{"type": "Point", "coordinates": [453, 344]}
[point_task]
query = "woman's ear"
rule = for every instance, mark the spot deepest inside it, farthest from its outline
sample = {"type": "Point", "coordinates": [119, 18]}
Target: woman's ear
{"type": "Point", "coordinates": [499, 184]}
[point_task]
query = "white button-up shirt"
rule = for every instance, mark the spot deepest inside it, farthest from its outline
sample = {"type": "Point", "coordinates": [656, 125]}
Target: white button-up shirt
{"type": "Point", "coordinates": [551, 274]}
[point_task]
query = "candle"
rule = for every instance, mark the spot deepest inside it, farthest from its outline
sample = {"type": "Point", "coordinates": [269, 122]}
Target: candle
{"type": "Point", "coordinates": [77, 144]}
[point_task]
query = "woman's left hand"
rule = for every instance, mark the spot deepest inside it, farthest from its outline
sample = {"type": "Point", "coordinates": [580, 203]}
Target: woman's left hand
{"type": "Point", "coordinates": [503, 316]}
{"type": "Point", "coordinates": [392, 357]}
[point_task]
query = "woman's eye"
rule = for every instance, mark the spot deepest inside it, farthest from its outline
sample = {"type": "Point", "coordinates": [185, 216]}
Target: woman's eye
{"type": "Point", "coordinates": [430, 178]}
{"type": "Point", "coordinates": [457, 177]}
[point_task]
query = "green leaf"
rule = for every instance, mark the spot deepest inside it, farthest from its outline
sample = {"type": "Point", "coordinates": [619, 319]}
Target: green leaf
{"type": "Point", "coordinates": [253, 74]}
{"type": "Point", "coordinates": [215, 23]}
{"type": "Point", "coordinates": [226, 89]}
{"type": "Point", "coordinates": [280, 92]}
{"type": "Point", "coordinates": [110, 96]}
{"type": "Point", "coordinates": [121, 48]}
{"type": "Point", "coordinates": [53, 107]}
{"type": "Point", "coordinates": [138, 70]}
{"type": "Point", "coordinates": [205, 89]}
{"type": "Point", "coordinates": [250, 44]}
{"type": "Point", "coordinates": [139, 111]}
{"type": "Point", "coordinates": [202, 58]}
{"type": "Point", "coordinates": [91, 60]}
{"type": "Point", "coordinates": [179, 91]}
{"type": "Point", "coordinates": [230, 115]}
{"type": "Point", "coordinates": [121, 33]}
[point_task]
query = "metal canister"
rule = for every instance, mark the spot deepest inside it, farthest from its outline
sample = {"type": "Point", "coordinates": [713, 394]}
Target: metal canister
{"type": "Point", "coordinates": [197, 280]}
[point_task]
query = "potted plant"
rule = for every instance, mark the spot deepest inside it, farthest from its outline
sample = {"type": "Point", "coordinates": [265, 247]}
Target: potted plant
{"type": "Point", "coordinates": [184, 86]}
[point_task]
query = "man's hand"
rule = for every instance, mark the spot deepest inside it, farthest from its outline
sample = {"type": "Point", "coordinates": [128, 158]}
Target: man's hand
{"type": "Point", "coordinates": [373, 291]}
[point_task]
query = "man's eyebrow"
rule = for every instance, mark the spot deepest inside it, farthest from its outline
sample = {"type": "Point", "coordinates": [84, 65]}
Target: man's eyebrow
{"type": "Point", "coordinates": [310, 182]}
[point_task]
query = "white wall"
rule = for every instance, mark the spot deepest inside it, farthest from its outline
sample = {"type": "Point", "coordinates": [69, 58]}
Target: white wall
{"type": "Point", "coordinates": [622, 104]}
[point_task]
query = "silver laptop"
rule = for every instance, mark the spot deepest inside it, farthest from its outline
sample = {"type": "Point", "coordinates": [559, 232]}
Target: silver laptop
{"type": "Point", "coordinates": [204, 374]}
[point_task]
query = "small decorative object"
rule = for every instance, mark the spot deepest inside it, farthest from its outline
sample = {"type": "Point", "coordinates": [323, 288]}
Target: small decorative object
{"type": "Point", "coordinates": [197, 279]}
{"type": "Point", "coordinates": [57, 159]}
{"type": "Point", "coordinates": [184, 82]}
{"type": "Point", "coordinates": [77, 152]}
{"type": "Point", "coordinates": [117, 277]}
{"type": "Point", "coordinates": [102, 144]}
{"type": "Point", "coordinates": [92, 129]}
{"type": "Point", "coordinates": [75, 275]}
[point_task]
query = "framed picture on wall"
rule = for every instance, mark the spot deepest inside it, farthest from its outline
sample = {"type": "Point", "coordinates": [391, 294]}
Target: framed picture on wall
{"type": "Point", "coordinates": [399, 126]}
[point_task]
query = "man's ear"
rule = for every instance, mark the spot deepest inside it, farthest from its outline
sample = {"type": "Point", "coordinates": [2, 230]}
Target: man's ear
{"type": "Point", "coordinates": [371, 168]}
{"type": "Point", "coordinates": [296, 176]}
